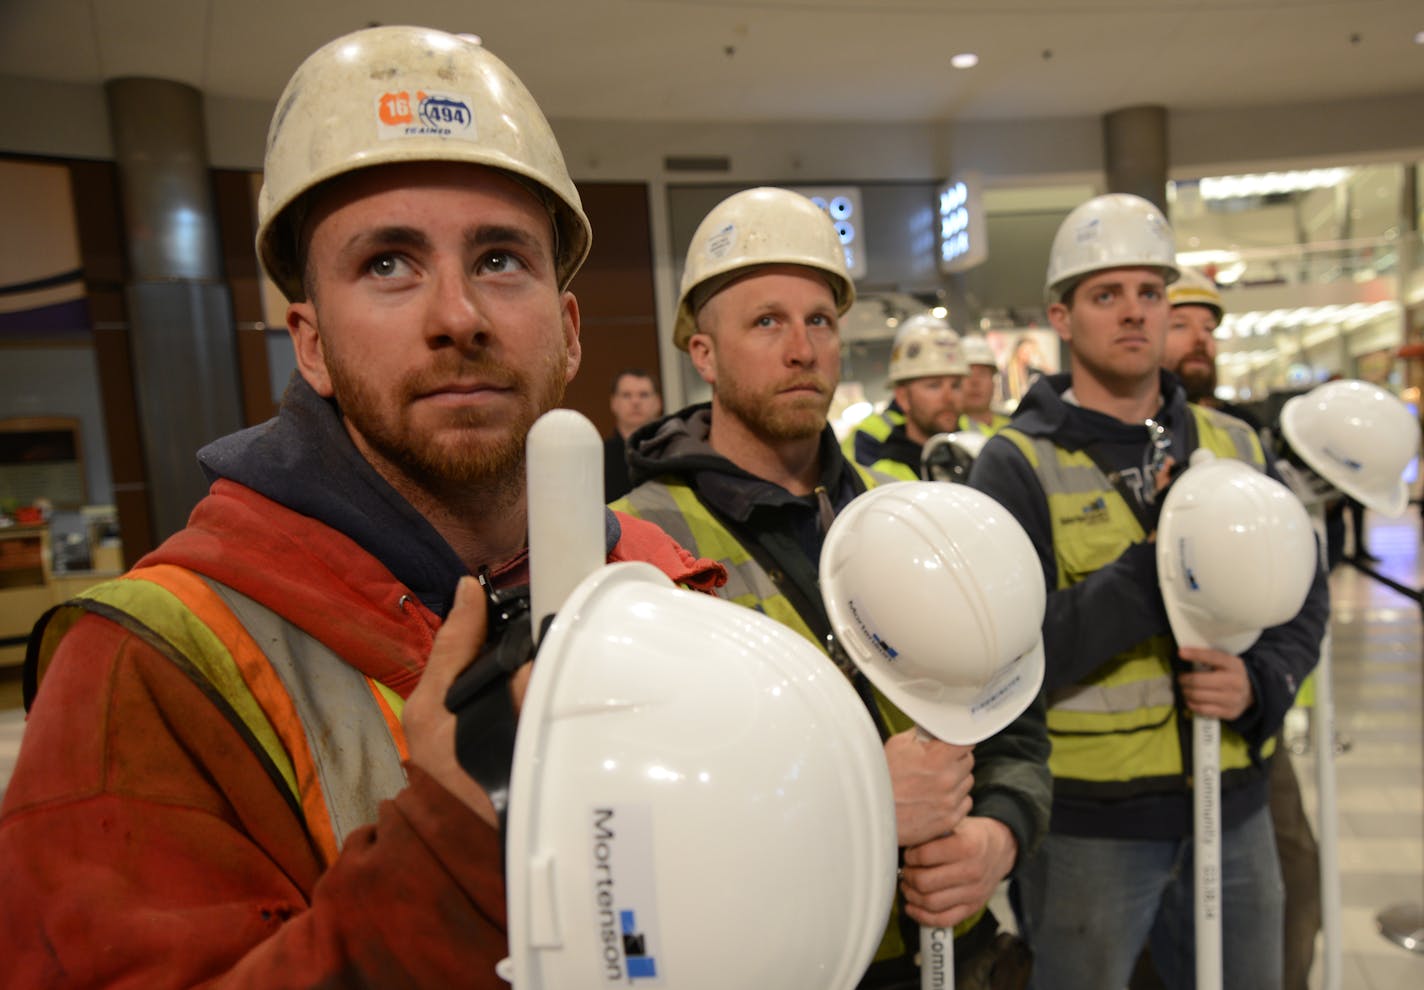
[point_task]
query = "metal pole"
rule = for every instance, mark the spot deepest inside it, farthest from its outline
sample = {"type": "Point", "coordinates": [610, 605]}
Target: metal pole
{"type": "Point", "coordinates": [1327, 827]}
{"type": "Point", "coordinates": [1206, 853]}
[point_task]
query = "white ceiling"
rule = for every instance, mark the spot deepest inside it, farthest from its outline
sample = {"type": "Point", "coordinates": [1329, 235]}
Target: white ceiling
{"type": "Point", "coordinates": [774, 60]}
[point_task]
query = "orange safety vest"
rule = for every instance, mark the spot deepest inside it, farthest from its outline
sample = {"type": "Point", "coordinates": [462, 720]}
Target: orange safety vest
{"type": "Point", "coordinates": [330, 737]}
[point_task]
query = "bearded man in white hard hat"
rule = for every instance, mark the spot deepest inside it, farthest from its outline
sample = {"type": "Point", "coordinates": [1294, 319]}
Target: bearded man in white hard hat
{"type": "Point", "coordinates": [753, 479]}
{"type": "Point", "coordinates": [239, 767]}
{"type": "Point", "coordinates": [1083, 467]}
{"type": "Point", "coordinates": [927, 369]}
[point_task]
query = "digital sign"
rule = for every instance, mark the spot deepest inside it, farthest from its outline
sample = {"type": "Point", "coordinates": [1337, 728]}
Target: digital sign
{"type": "Point", "coordinates": [962, 241]}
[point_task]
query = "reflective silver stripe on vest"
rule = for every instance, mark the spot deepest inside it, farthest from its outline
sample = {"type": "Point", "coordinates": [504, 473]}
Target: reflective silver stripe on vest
{"type": "Point", "coordinates": [1114, 698]}
{"type": "Point", "coordinates": [356, 760]}
{"type": "Point", "coordinates": [1059, 478]}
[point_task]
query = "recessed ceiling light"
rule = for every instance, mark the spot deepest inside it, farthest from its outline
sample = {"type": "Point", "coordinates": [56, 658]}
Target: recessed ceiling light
{"type": "Point", "coordinates": [964, 60]}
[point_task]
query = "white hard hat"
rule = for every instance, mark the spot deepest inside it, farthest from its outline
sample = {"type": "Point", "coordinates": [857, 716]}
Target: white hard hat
{"type": "Point", "coordinates": [690, 777]}
{"type": "Point", "coordinates": [978, 351]}
{"type": "Point", "coordinates": [406, 94]}
{"type": "Point", "coordinates": [1235, 554]}
{"type": "Point", "coordinates": [752, 228]}
{"type": "Point", "coordinates": [949, 456]}
{"type": "Point", "coordinates": [1193, 288]}
{"type": "Point", "coordinates": [936, 593]}
{"type": "Point", "coordinates": [925, 345]}
{"type": "Point", "coordinates": [1358, 437]}
{"type": "Point", "coordinates": [1118, 230]}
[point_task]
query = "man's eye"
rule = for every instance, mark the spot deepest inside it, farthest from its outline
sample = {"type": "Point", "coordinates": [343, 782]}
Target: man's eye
{"type": "Point", "coordinates": [386, 266]}
{"type": "Point", "coordinates": [497, 262]}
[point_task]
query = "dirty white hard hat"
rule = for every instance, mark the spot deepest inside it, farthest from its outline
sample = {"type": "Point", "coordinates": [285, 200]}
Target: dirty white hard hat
{"type": "Point", "coordinates": [926, 346]}
{"type": "Point", "coordinates": [751, 229]}
{"type": "Point", "coordinates": [393, 94]}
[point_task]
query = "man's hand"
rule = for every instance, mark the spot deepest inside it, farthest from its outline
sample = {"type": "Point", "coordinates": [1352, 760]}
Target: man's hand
{"type": "Point", "coordinates": [1220, 690]}
{"type": "Point", "coordinates": [429, 727]}
{"type": "Point", "coordinates": [946, 880]}
{"type": "Point", "coordinates": [931, 780]}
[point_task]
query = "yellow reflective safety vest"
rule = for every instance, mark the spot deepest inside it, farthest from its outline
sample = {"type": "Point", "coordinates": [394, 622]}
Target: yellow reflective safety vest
{"type": "Point", "coordinates": [1121, 733]}
{"type": "Point", "coordinates": [330, 736]}
{"type": "Point", "coordinates": [994, 425]}
{"type": "Point", "coordinates": [862, 446]}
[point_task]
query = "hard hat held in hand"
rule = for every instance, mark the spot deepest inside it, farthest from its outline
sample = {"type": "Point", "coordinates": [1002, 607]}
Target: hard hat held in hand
{"type": "Point", "coordinates": [950, 456]}
{"type": "Point", "coordinates": [1358, 437]}
{"type": "Point", "coordinates": [936, 593]}
{"type": "Point", "coordinates": [755, 227]}
{"type": "Point", "coordinates": [1118, 230]}
{"type": "Point", "coordinates": [698, 796]}
{"type": "Point", "coordinates": [407, 94]}
{"type": "Point", "coordinates": [926, 346]}
{"type": "Point", "coordinates": [1235, 554]}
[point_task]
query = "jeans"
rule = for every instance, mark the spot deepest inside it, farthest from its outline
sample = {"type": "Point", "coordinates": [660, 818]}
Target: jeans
{"type": "Point", "coordinates": [1087, 907]}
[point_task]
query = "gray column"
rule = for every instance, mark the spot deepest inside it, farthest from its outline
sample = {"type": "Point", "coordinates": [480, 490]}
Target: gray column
{"type": "Point", "coordinates": [1135, 152]}
{"type": "Point", "coordinates": [181, 331]}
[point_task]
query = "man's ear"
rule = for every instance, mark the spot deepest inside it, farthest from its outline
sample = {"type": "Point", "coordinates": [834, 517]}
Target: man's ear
{"type": "Point", "coordinates": [1060, 317]}
{"type": "Point", "coordinates": [306, 342]}
{"type": "Point", "coordinates": [572, 344]}
{"type": "Point", "coordinates": [703, 352]}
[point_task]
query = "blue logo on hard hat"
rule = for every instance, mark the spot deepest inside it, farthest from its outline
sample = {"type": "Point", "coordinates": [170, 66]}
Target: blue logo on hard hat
{"type": "Point", "coordinates": [444, 112]}
{"type": "Point", "coordinates": [641, 966]}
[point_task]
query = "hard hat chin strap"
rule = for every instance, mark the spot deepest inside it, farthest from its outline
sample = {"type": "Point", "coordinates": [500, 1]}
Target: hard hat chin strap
{"type": "Point", "coordinates": [481, 701]}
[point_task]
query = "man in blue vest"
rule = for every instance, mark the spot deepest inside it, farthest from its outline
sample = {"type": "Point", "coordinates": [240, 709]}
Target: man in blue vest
{"type": "Point", "coordinates": [1083, 467]}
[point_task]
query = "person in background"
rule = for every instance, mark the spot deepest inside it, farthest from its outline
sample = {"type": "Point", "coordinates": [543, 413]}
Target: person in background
{"type": "Point", "coordinates": [634, 400]}
{"type": "Point", "coordinates": [976, 397]}
{"type": "Point", "coordinates": [753, 479]}
{"type": "Point", "coordinates": [239, 769]}
{"type": "Point", "coordinates": [927, 369]}
{"type": "Point", "coordinates": [1083, 467]}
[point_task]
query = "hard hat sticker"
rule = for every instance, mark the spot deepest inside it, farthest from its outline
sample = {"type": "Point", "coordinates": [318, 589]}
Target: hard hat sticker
{"type": "Point", "coordinates": [623, 884]}
{"type": "Point", "coordinates": [403, 114]}
{"type": "Point", "coordinates": [1089, 231]}
{"type": "Point", "coordinates": [721, 241]}
{"type": "Point", "coordinates": [883, 648]}
{"type": "Point", "coordinates": [998, 691]}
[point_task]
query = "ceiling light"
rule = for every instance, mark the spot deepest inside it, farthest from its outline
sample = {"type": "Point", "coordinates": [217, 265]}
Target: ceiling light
{"type": "Point", "coordinates": [964, 60]}
{"type": "Point", "coordinates": [1419, 37]}
{"type": "Point", "coordinates": [1240, 186]}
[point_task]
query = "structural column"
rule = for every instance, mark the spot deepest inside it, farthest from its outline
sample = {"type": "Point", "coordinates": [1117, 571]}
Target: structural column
{"type": "Point", "coordinates": [181, 332]}
{"type": "Point", "coordinates": [1135, 153]}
